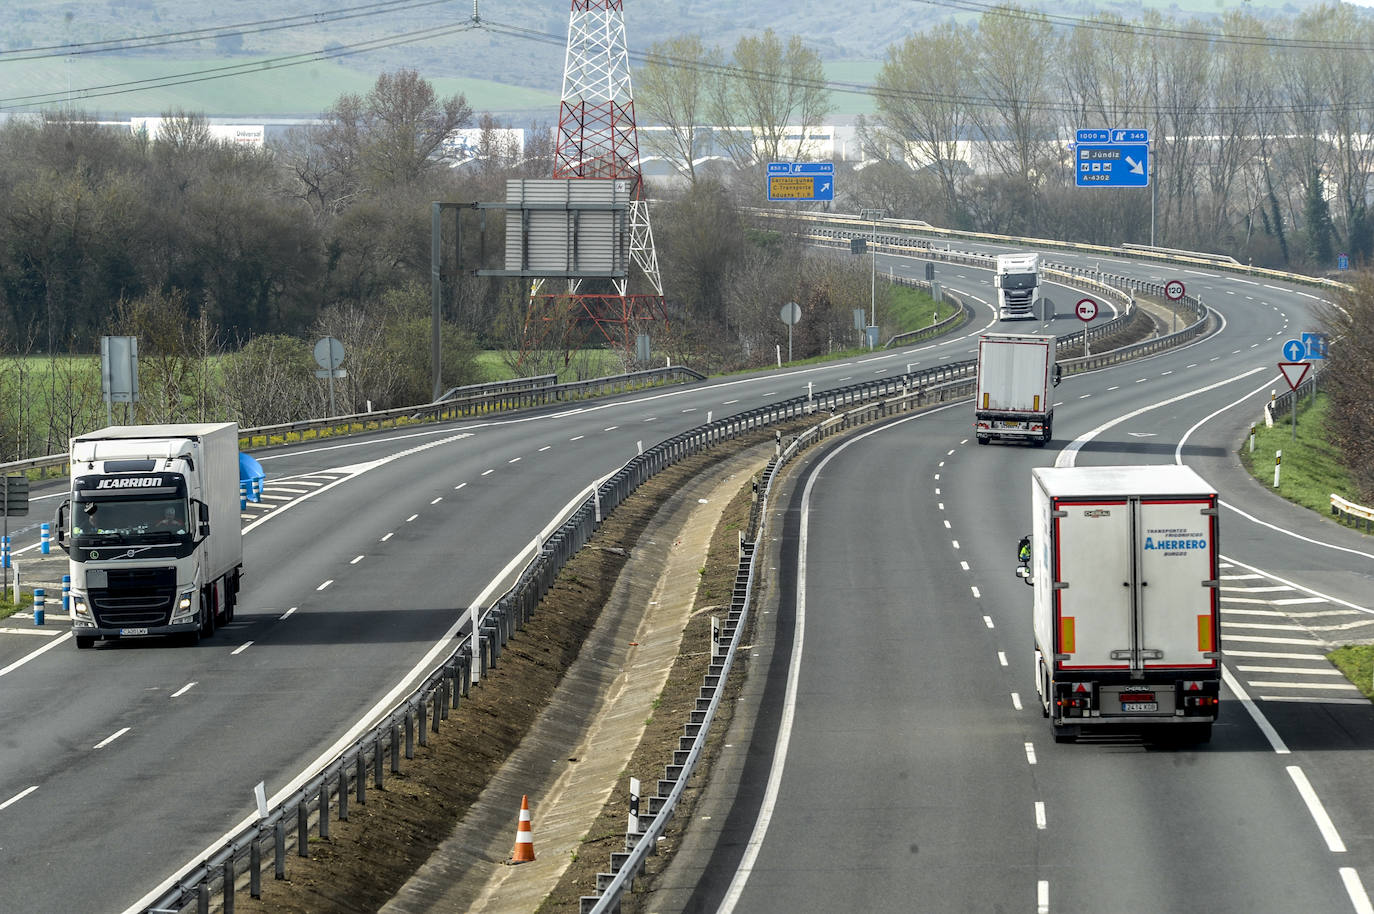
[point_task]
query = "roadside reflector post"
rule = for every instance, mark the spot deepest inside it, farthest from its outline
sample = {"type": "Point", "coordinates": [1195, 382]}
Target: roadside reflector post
{"type": "Point", "coordinates": [45, 538]}
{"type": "Point", "coordinates": [715, 638]}
{"type": "Point", "coordinates": [1252, 437]}
{"type": "Point", "coordinates": [633, 827]}
{"type": "Point", "coordinates": [38, 606]}
{"type": "Point", "coordinates": [66, 593]}
{"type": "Point", "coordinates": [1278, 459]}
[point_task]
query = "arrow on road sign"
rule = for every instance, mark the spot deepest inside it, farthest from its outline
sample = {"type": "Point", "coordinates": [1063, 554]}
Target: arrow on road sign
{"type": "Point", "coordinates": [1295, 350]}
{"type": "Point", "coordinates": [1137, 168]}
{"type": "Point", "coordinates": [1294, 372]}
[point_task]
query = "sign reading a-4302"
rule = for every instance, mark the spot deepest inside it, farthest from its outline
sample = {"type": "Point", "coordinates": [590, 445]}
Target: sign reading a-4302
{"type": "Point", "coordinates": [1112, 165]}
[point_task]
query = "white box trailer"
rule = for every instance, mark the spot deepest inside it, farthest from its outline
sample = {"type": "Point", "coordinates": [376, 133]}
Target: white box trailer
{"type": "Point", "coordinates": [153, 532]}
{"type": "Point", "coordinates": [1015, 375]}
{"type": "Point", "coordinates": [1123, 561]}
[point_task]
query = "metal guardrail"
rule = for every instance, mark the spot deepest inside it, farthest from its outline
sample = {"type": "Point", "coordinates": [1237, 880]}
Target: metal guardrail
{"type": "Point", "coordinates": [1349, 512]}
{"type": "Point", "coordinates": [501, 395]}
{"type": "Point", "coordinates": [499, 387]}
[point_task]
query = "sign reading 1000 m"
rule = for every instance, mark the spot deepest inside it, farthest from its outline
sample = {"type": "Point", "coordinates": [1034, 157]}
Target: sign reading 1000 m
{"type": "Point", "coordinates": [1112, 158]}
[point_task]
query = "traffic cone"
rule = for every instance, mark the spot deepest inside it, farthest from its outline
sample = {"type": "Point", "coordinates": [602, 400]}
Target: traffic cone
{"type": "Point", "coordinates": [524, 836]}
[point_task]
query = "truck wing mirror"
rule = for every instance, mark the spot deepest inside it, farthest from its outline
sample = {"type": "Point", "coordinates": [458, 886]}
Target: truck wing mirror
{"type": "Point", "coordinates": [1057, 373]}
{"type": "Point", "coordinates": [60, 524]}
{"type": "Point", "coordinates": [1024, 573]}
{"type": "Point", "coordinates": [203, 515]}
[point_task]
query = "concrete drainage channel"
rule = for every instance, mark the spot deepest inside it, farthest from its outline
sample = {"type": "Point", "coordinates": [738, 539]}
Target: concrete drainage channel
{"type": "Point", "coordinates": [237, 865]}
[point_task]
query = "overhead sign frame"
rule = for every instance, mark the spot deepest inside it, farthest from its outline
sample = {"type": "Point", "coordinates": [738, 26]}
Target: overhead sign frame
{"type": "Point", "coordinates": [801, 181]}
{"type": "Point", "coordinates": [1112, 158]}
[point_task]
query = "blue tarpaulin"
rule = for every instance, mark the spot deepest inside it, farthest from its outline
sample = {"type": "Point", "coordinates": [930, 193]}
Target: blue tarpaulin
{"type": "Point", "coordinates": [251, 476]}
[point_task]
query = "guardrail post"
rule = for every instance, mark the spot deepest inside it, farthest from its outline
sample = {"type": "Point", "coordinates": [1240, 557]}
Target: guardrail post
{"type": "Point", "coordinates": [343, 793]}
{"type": "Point", "coordinates": [410, 735]}
{"type": "Point", "coordinates": [420, 711]}
{"type": "Point", "coordinates": [302, 828]}
{"type": "Point", "coordinates": [439, 704]}
{"type": "Point", "coordinates": [254, 869]}
{"type": "Point", "coordinates": [378, 780]}
{"type": "Point", "coordinates": [395, 750]}
{"type": "Point", "coordinates": [279, 834]}
{"type": "Point", "coordinates": [324, 809]}
{"type": "Point", "coordinates": [203, 898]}
{"type": "Point", "coordinates": [361, 777]}
{"type": "Point", "coordinates": [229, 885]}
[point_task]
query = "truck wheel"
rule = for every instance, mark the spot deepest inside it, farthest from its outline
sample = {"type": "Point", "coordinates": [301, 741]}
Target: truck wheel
{"type": "Point", "coordinates": [207, 615]}
{"type": "Point", "coordinates": [231, 592]}
{"type": "Point", "coordinates": [982, 439]}
{"type": "Point", "coordinates": [84, 642]}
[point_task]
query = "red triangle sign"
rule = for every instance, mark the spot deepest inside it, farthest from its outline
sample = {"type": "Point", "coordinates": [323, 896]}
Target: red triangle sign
{"type": "Point", "coordinates": [1080, 688]}
{"type": "Point", "coordinates": [1294, 372]}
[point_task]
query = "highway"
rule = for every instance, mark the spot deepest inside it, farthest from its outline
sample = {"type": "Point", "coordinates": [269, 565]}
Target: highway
{"type": "Point", "coordinates": [120, 766]}
{"type": "Point", "coordinates": [910, 767]}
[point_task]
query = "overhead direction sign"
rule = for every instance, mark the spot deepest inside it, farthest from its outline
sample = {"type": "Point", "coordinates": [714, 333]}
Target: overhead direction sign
{"type": "Point", "coordinates": [1294, 372]}
{"type": "Point", "coordinates": [1124, 165]}
{"type": "Point", "coordinates": [801, 180]}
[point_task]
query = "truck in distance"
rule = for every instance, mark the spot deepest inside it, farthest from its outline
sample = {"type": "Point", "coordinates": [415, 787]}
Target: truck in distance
{"type": "Point", "coordinates": [152, 531]}
{"type": "Point", "coordinates": [1124, 566]}
{"type": "Point", "coordinates": [1016, 374]}
{"type": "Point", "coordinates": [1017, 279]}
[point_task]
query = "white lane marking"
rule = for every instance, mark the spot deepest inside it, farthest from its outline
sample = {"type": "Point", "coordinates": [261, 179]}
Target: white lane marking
{"type": "Point", "coordinates": [183, 690]}
{"type": "Point", "coordinates": [1359, 898]}
{"type": "Point", "coordinates": [1118, 387]}
{"type": "Point", "coordinates": [948, 525]}
{"type": "Point", "coordinates": [941, 506]}
{"type": "Point", "coordinates": [240, 649]}
{"type": "Point", "coordinates": [941, 463]}
{"type": "Point", "coordinates": [1276, 741]}
{"type": "Point", "coordinates": [515, 460]}
{"type": "Point", "coordinates": [1002, 657]}
{"type": "Point", "coordinates": [1274, 655]}
{"type": "Point", "coordinates": [1332, 686]}
{"type": "Point", "coordinates": [729, 402]}
{"type": "Point", "coordinates": [437, 500]}
{"type": "Point", "coordinates": [987, 620]}
{"type": "Point", "coordinates": [937, 490]}
{"type": "Point", "coordinates": [1085, 396]}
{"type": "Point", "coordinates": [111, 738]}
{"type": "Point", "coordinates": [1042, 897]}
{"type": "Point", "coordinates": [651, 419]}
{"type": "Point", "coordinates": [956, 543]}
{"type": "Point", "coordinates": [325, 584]}
{"type": "Point", "coordinates": [1069, 455]}
{"type": "Point", "coordinates": [1040, 813]}
{"type": "Point", "coordinates": [487, 472]}
{"type": "Point", "coordinates": [1243, 577]}
{"type": "Point", "coordinates": [1318, 811]}
{"type": "Point", "coordinates": [545, 448]}
{"type": "Point", "coordinates": [937, 476]}
{"type": "Point", "coordinates": [690, 409]}
{"type": "Point", "coordinates": [1141, 380]}
{"type": "Point", "coordinates": [357, 559]}
{"type": "Point", "coordinates": [411, 518]}
{"type": "Point", "coordinates": [459, 486]}
{"type": "Point", "coordinates": [35, 655]}
{"type": "Point", "coordinates": [287, 614]}
{"type": "Point", "coordinates": [978, 596]}
{"type": "Point", "coordinates": [387, 537]}
{"type": "Point", "coordinates": [1296, 601]}
{"type": "Point", "coordinates": [18, 796]}
{"type": "Point", "coordinates": [950, 454]}
{"type": "Point", "coordinates": [964, 566]}
{"type": "Point", "coordinates": [610, 428]}
{"type": "Point", "coordinates": [577, 438]}
{"type": "Point", "coordinates": [1030, 753]}
{"type": "Point", "coordinates": [1016, 700]}
{"type": "Point", "coordinates": [1295, 670]}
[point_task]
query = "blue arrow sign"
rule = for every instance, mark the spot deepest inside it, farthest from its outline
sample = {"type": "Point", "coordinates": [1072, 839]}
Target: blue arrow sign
{"type": "Point", "coordinates": [1112, 165]}
{"type": "Point", "coordinates": [801, 180]}
{"type": "Point", "coordinates": [1294, 351]}
{"type": "Point", "coordinates": [1315, 344]}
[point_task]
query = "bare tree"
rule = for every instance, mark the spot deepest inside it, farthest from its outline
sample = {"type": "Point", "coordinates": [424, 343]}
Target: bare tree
{"type": "Point", "coordinates": [772, 90]}
{"type": "Point", "coordinates": [672, 90]}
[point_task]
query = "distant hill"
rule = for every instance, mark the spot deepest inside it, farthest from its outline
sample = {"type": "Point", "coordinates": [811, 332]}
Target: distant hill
{"type": "Point", "coordinates": [512, 66]}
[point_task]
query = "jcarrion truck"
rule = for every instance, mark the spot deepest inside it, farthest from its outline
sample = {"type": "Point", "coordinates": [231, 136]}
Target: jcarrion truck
{"type": "Point", "coordinates": [1124, 563]}
{"type": "Point", "coordinates": [1015, 375]}
{"type": "Point", "coordinates": [152, 531]}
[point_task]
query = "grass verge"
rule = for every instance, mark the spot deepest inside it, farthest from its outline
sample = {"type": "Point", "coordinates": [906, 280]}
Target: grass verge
{"type": "Point", "coordinates": [1356, 661]}
{"type": "Point", "coordinates": [1311, 468]}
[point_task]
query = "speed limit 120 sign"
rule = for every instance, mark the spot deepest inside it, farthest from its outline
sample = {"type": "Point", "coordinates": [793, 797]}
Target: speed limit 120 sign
{"type": "Point", "coordinates": [1173, 290]}
{"type": "Point", "coordinates": [1086, 310]}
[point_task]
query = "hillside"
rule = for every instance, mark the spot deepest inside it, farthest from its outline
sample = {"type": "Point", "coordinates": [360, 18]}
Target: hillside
{"type": "Point", "coordinates": [512, 65]}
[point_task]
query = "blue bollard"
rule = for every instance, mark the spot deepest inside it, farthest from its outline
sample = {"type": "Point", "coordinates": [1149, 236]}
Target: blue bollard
{"type": "Point", "coordinates": [4, 552]}
{"type": "Point", "coordinates": [38, 606]}
{"type": "Point", "coordinates": [66, 593]}
{"type": "Point", "coordinates": [45, 539]}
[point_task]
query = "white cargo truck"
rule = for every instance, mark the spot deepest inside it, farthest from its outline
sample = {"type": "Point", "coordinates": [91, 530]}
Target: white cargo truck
{"type": "Point", "coordinates": [1123, 561]}
{"type": "Point", "coordinates": [1015, 377]}
{"type": "Point", "coordinates": [152, 531]}
{"type": "Point", "coordinates": [1017, 279]}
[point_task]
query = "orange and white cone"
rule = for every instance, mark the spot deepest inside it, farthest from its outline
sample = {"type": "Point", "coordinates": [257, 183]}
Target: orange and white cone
{"type": "Point", "coordinates": [524, 835]}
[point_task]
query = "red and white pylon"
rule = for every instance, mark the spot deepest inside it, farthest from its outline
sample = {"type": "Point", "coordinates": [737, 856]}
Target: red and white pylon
{"type": "Point", "coordinates": [524, 835]}
{"type": "Point", "coordinates": [597, 140]}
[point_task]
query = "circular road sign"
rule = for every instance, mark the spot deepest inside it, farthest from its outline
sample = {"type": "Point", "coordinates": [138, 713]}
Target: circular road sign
{"type": "Point", "coordinates": [1173, 290]}
{"type": "Point", "coordinates": [329, 353]}
{"type": "Point", "coordinates": [1086, 309]}
{"type": "Point", "coordinates": [790, 313]}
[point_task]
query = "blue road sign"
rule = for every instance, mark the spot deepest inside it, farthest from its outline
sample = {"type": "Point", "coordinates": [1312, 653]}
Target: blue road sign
{"type": "Point", "coordinates": [1112, 165]}
{"type": "Point", "coordinates": [1294, 351]}
{"type": "Point", "coordinates": [801, 181]}
{"type": "Point", "coordinates": [1315, 344]}
{"type": "Point", "coordinates": [1130, 136]}
{"type": "Point", "coordinates": [1342, 261]}
{"type": "Point", "coordinates": [1094, 136]}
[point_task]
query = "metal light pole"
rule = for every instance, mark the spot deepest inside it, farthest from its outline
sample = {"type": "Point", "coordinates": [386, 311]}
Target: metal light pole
{"type": "Point", "coordinates": [874, 215]}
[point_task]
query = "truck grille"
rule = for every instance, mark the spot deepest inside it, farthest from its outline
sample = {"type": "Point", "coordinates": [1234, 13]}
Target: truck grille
{"type": "Point", "coordinates": [141, 597]}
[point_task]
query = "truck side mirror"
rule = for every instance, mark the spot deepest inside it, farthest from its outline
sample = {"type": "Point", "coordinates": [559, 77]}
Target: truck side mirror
{"type": "Point", "coordinates": [1024, 573]}
{"type": "Point", "coordinates": [60, 524]}
{"type": "Point", "coordinates": [203, 515]}
{"type": "Point", "coordinates": [1056, 374]}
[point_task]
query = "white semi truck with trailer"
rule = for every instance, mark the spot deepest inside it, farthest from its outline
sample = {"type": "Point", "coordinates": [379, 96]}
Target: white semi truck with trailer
{"type": "Point", "coordinates": [152, 531]}
{"type": "Point", "coordinates": [1016, 374]}
{"type": "Point", "coordinates": [1017, 279]}
{"type": "Point", "coordinates": [1124, 565]}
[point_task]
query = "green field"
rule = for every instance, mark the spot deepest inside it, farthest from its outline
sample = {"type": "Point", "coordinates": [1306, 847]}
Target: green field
{"type": "Point", "coordinates": [1311, 469]}
{"type": "Point", "coordinates": [242, 87]}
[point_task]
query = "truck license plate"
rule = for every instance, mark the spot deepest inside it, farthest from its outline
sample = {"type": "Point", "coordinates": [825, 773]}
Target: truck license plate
{"type": "Point", "coordinates": [133, 631]}
{"type": "Point", "coordinates": [1140, 706]}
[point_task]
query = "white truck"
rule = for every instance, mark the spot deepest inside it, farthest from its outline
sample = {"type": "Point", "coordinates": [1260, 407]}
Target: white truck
{"type": "Point", "coordinates": [1016, 374]}
{"type": "Point", "coordinates": [1124, 564]}
{"type": "Point", "coordinates": [152, 531]}
{"type": "Point", "coordinates": [1017, 279]}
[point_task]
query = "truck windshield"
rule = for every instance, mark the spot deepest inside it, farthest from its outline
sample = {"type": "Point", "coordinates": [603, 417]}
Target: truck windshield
{"type": "Point", "coordinates": [123, 520]}
{"type": "Point", "coordinates": [1018, 280]}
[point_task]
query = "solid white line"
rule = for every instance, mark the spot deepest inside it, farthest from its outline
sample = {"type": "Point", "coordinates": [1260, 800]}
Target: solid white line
{"type": "Point", "coordinates": [1359, 898]}
{"type": "Point", "coordinates": [325, 584]}
{"type": "Point", "coordinates": [111, 738]}
{"type": "Point", "coordinates": [1016, 700]}
{"type": "Point", "coordinates": [1314, 806]}
{"type": "Point", "coordinates": [1232, 683]}
{"type": "Point", "coordinates": [23, 660]}
{"type": "Point", "coordinates": [1042, 897]}
{"type": "Point", "coordinates": [183, 690]}
{"type": "Point", "coordinates": [1261, 639]}
{"type": "Point", "coordinates": [1317, 699]}
{"type": "Point", "coordinates": [1030, 753]}
{"type": "Point", "coordinates": [1039, 812]}
{"type": "Point", "coordinates": [1298, 601]}
{"type": "Point", "coordinates": [240, 649]}
{"type": "Point", "coordinates": [18, 796]}
{"type": "Point", "coordinates": [357, 560]}
{"type": "Point", "coordinates": [1263, 626]}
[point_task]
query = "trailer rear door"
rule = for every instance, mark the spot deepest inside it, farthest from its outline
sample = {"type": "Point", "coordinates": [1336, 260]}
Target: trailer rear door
{"type": "Point", "coordinates": [1178, 611]}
